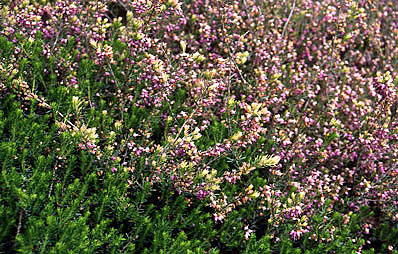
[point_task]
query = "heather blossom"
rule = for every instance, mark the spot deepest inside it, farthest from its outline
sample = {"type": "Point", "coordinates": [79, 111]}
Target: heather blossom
{"type": "Point", "coordinates": [283, 110]}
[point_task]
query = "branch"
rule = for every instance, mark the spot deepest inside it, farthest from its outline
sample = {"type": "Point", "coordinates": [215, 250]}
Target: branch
{"type": "Point", "coordinates": [288, 19]}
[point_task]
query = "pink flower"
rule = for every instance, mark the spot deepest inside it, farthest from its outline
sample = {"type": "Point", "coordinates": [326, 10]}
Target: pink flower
{"type": "Point", "coordinates": [248, 233]}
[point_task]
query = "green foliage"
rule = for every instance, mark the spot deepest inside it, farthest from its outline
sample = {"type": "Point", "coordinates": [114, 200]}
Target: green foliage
{"type": "Point", "coordinates": [261, 246]}
{"type": "Point", "coordinates": [70, 210]}
{"type": "Point", "coordinates": [82, 151]}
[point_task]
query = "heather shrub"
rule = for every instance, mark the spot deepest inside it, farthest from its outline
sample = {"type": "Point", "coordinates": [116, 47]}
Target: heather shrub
{"type": "Point", "coordinates": [198, 126]}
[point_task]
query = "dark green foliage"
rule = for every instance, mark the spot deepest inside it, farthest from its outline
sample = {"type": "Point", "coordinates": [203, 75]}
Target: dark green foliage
{"type": "Point", "coordinates": [70, 210]}
{"type": "Point", "coordinates": [261, 246]}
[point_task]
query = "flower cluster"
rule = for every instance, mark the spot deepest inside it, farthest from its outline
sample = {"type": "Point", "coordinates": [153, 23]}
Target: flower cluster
{"type": "Point", "coordinates": [208, 95]}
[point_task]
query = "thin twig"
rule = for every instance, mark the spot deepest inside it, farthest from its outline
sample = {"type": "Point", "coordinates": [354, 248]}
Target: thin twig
{"type": "Point", "coordinates": [333, 57]}
{"type": "Point", "coordinates": [49, 107]}
{"type": "Point", "coordinates": [288, 19]}
{"type": "Point", "coordinates": [127, 244]}
{"type": "Point", "coordinates": [19, 222]}
{"type": "Point", "coordinates": [230, 53]}
{"type": "Point", "coordinates": [52, 183]}
{"type": "Point", "coordinates": [19, 225]}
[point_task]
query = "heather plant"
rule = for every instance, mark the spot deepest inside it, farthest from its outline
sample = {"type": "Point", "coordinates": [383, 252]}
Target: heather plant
{"type": "Point", "coordinates": [198, 126]}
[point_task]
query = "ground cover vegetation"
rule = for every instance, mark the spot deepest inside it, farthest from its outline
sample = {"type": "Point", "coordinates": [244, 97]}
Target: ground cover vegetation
{"type": "Point", "coordinates": [198, 126]}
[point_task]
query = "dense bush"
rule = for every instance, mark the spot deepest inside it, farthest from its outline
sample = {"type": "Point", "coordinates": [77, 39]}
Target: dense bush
{"type": "Point", "coordinates": [198, 126]}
